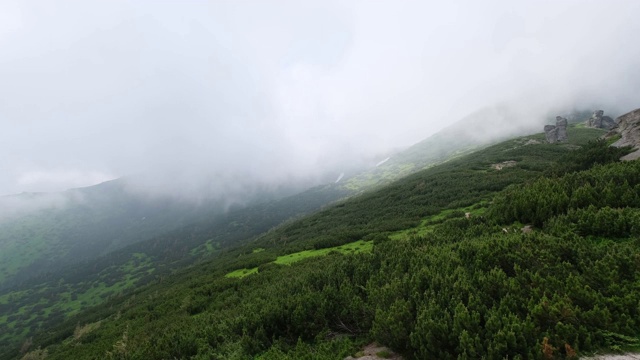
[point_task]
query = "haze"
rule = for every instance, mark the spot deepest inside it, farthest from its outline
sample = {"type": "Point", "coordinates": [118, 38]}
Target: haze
{"type": "Point", "coordinates": [277, 90]}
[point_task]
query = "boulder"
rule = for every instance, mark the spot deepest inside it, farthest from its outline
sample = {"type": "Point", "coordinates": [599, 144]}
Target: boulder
{"type": "Point", "coordinates": [561, 128]}
{"type": "Point", "coordinates": [599, 121]}
{"type": "Point", "coordinates": [628, 126]}
{"type": "Point", "coordinates": [558, 132]}
{"type": "Point", "coordinates": [552, 133]}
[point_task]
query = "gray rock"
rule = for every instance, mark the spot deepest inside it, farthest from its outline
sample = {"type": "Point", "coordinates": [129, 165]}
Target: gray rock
{"type": "Point", "coordinates": [551, 133]}
{"type": "Point", "coordinates": [561, 126]}
{"type": "Point", "coordinates": [558, 132]}
{"type": "Point", "coordinates": [628, 126]}
{"type": "Point", "coordinates": [599, 121]}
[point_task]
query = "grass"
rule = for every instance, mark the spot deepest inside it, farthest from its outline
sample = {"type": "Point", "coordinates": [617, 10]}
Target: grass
{"type": "Point", "coordinates": [139, 260]}
{"type": "Point", "coordinates": [380, 175]}
{"type": "Point", "coordinates": [204, 249]}
{"type": "Point", "coordinates": [16, 255]}
{"type": "Point", "coordinates": [240, 273]}
{"type": "Point", "coordinates": [350, 248]}
{"type": "Point", "coordinates": [613, 139]}
{"type": "Point", "coordinates": [95, 293]}
{"type": "Point", "coordinates": [427, 224]}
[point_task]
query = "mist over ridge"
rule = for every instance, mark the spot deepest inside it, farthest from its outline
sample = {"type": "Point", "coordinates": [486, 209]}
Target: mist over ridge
{"type": "Point", "coordinates": [211, 97]}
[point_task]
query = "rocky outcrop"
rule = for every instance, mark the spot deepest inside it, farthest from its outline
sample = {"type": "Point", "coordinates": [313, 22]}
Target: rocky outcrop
{"type": "Point", "coordinates": [558, 132]}
{"type": "Point", "coordinates": [504, 164]}
{"type": "Point", "coordinates": [551, 133]}
{"type": "Point", "coordinates": [599, 121]}
{"type": "Point", "coordinates": [628, 127]}
{"type": "Point", "coordinates": [561, 126]}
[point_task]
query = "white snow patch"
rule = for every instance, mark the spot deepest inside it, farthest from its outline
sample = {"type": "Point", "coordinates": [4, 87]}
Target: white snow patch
{"type": "Point", "coordinates": [340, 177]}
{"type": "Point", "coordinates": [383, 161]}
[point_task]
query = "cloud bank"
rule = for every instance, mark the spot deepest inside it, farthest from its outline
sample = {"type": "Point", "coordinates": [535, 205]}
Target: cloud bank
{"type": "Point", "coordinates": [190, 91]}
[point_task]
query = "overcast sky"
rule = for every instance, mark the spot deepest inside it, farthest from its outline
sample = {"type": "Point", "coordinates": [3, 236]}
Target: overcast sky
{"type": "Point", "coordinates": [94, 90]}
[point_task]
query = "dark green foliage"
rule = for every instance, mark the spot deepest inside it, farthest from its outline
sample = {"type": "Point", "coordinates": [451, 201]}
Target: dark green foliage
{"type": "Point", "coordinates": [616, 186]}
{"type": "Point", "coordinates": [44, 300]}
{"type": "Point", "coordinates": [593, 153]}
{"type": "Point", "coordinates": [401, 205]}
{"type": "Point", "coordinates": [467, 289]}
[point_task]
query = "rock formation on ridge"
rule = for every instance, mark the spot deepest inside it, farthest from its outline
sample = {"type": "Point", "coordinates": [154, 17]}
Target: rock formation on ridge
{"type": "Point", "coordinates": [599, 121]}
{"type": "Point", "coordinates": [558, 132]}
{"type": "Point", "coordinates": [561, 126]}
{"type": "Point", "coordinates": [628, 126]}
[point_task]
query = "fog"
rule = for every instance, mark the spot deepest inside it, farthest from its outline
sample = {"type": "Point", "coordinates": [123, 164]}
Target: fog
{"type": "Point", "coordinates": [177, 93]}
{"type": "Point", "coordinates": [12, 206]}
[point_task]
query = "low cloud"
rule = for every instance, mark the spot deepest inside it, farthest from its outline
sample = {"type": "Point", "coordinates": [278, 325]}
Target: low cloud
{"type": "Point", "coordinates": [52, 180]}
{"type": "Point", "coordinates": [196, 95]}
{"type": "Point", "coordinates": [13, 206]}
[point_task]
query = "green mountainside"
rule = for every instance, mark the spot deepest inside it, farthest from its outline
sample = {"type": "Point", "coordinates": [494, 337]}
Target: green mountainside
{"type": "Point", "coordinates": [89, 222]}
{"type": "Point", "coordinates": [401, 265]}
{"type": "Point", "coordinates": [105, 240]}
{"type": "Point", "coordinates": [83, 224]}
{"type": "Point", "coordinates": [477, 130]}
{"type": "Point", "coordinates": [50, 297]}
{"type": "Point", "coordinates": [481, 128]}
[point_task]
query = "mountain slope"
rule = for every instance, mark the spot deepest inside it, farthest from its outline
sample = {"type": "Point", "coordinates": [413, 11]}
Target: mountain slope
{"type": "Point", "coordinates": [48, 298]}
{"type": "Point", "coordinates": [473, 132]}
{"type": "Point", "coordinates": [84, 252]}
{"type": "Point", "coordinates": [82, 224]}
{"type": "Point", "coordinates": [457, 286]}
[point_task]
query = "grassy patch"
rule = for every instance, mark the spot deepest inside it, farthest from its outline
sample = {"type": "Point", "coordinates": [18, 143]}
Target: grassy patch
{"type": "Point", "coordinates": [240, 273]}
{"type": "Point", "coordinates": [138, 261]}
{"type": "Point", "coordinates": [204, 249]}
{"type": "Point", "coordinates": [613, 139]}
{"type": "Point", "coordinates": [351, 248]}
{"type": "Point", "coordinates": [430, 222]}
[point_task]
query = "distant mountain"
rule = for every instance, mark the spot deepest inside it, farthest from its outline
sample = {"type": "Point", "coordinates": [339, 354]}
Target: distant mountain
{"type": "Point", "coordinates": [41, 233]}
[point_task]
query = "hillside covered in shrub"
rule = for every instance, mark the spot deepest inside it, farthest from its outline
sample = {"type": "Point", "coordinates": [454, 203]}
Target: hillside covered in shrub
{"type": "Point", "coordinates": [443, 269]}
